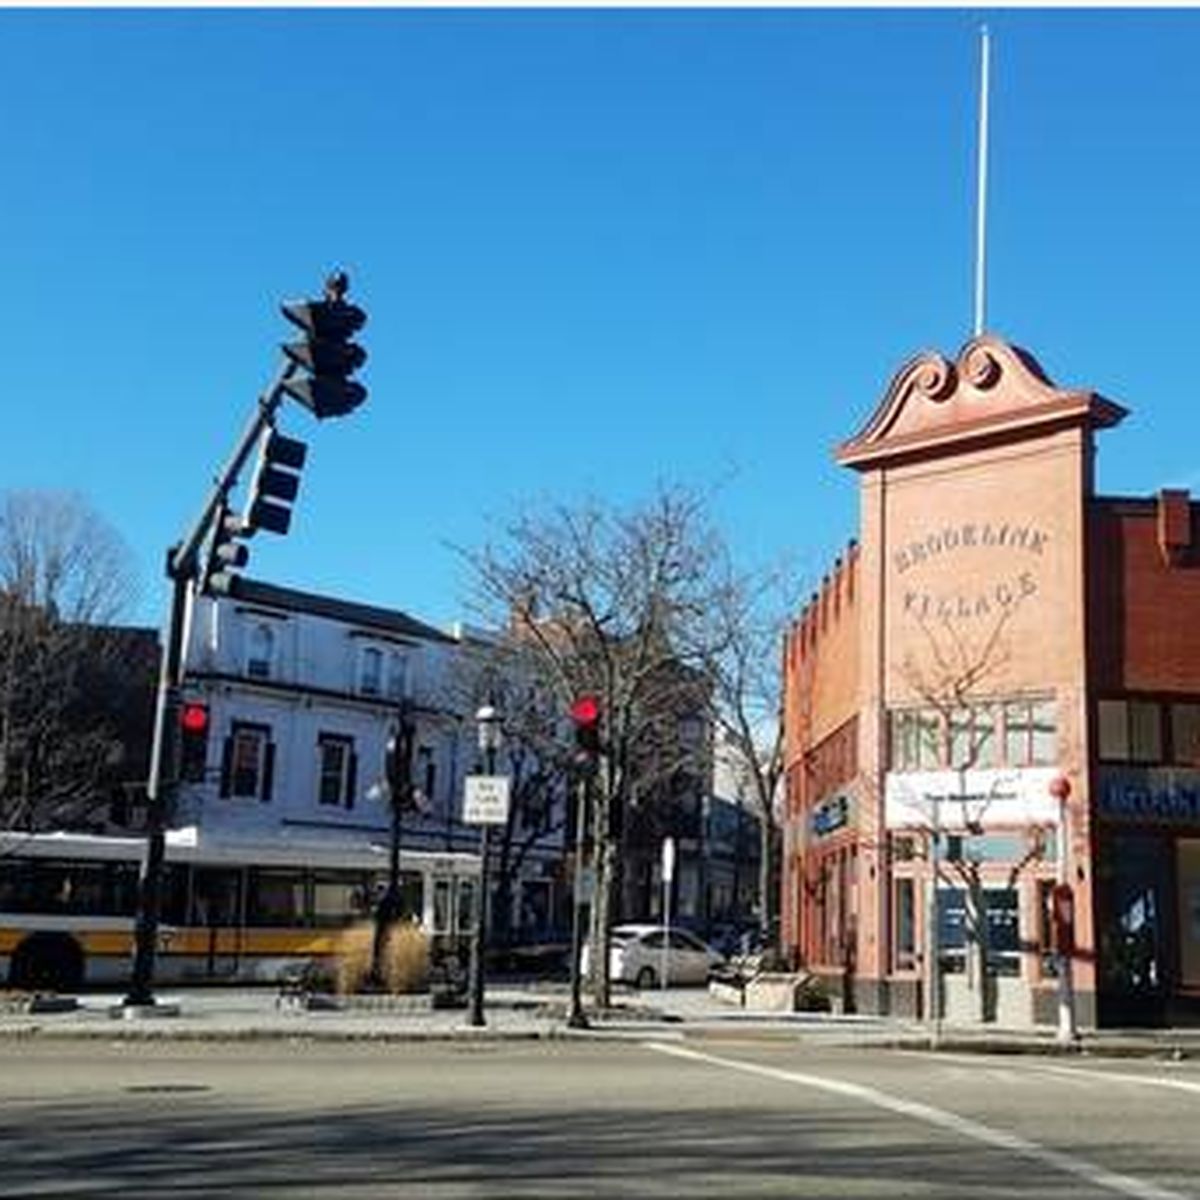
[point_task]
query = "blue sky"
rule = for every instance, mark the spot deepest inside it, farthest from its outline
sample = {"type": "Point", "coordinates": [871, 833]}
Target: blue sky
{"type": "Point", "coordinates": [598, 250]}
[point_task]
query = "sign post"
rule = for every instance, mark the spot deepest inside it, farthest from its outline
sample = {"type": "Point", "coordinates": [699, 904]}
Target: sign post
{"type": "Point", "coordinates": [668, 873]}
{"type": "Point", "coordinates": [486, 800]}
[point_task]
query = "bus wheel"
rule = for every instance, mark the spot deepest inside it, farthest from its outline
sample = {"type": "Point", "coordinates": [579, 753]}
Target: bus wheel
{"type": "Point", "coordinates": [47, 962]}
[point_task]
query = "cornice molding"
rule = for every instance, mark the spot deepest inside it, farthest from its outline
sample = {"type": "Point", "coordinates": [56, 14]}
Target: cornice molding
{"type": "Point", "coordinates": [992, 388]}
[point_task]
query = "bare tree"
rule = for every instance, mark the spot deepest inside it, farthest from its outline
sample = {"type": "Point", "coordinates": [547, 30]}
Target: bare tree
{"type": "Point", "coordinates": [951, 683]}
{"type": "Point", "coordinates": [612, 603]}
{"type": "Point", "coordinates": [498, 668]}
{"type": "Point", "coordinates": [741, 648]}
{"type": "Point", "coordinates": [67, 682]}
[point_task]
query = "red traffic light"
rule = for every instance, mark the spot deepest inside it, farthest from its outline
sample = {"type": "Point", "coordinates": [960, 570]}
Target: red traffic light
{"type": "Point", "coordinates": [585, 710]}
{"type": "Point", "coordinates": [194, 718]}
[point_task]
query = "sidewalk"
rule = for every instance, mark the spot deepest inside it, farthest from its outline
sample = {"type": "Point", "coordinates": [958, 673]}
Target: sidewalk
{"type": "Point", "coordinates": [536, 1012]}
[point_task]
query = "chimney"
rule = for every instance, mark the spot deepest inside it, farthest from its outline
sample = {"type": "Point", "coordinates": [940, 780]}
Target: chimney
{"type": "Point", "coordinates": [1174, 525]}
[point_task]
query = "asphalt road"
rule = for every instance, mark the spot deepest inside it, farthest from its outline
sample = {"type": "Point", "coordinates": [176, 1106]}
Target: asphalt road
{"type": "Point", "coordinates": [583, 1118]}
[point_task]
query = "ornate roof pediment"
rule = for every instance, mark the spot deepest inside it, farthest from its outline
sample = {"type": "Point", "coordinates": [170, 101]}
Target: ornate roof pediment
{"type": "Point", "coordinates": [992, 388]}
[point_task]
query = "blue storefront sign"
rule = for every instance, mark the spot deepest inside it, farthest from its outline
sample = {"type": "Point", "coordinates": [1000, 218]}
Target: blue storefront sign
{"type": "Point", "coordinates": [830, 816]}
{"type": "Point", "coordinates": [1163, 795]}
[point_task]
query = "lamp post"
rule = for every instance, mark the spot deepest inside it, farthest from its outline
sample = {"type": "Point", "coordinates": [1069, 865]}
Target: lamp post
{"type": "Point", "coordinates": [487, 720]}
{"type": "Point", "coordinates": [397, 768]}
{"type": "Point", "coordinates": [1064, 919]}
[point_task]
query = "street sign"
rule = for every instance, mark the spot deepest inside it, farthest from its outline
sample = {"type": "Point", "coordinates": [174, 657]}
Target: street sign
{"type": "Point", "coordinates": [485, 801]}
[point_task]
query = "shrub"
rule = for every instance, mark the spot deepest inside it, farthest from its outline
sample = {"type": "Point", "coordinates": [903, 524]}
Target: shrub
{"type": "Point", "coordinates": [352, 957]}
{"type": "Point", "coordinates": [405, 958]}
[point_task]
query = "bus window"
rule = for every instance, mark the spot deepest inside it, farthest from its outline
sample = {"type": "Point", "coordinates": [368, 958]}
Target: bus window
{"type": "Point", "coordinates": [339, 897]}
{"type": "Point", "coordinates": [466, 905]}
{"type": "Point", "coordinates": [216, 897]}
{"type": "Point", "coordinates": [174, 892]}
{"type": "Point", "coordinates": [412, 895]}
{"type": "Point", "coordinates": [442, 915]}
{"type": "Point", "coordinates": [275, 897]}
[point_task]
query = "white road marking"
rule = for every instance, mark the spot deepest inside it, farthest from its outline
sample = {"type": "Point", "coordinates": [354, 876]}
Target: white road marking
{"type": "Point", "coordinates": [1178, 1085]}
{"type": "Point", "coordinates": [1125, 1185]}
{"type": "Point", "coordinates": [1082, 1074]}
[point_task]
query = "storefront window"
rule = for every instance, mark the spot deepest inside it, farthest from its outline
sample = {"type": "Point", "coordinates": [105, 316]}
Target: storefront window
{"type": "Point", "coordinates": [904, 920]}
{"type": "Point", "coordinates": [1185, 734]}
{"type": "Point", "coordinates": [1130, 731]}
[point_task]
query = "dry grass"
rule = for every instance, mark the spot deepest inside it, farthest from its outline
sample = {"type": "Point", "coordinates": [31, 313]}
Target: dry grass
{"type": "Point", "coordinates": [405, 964]}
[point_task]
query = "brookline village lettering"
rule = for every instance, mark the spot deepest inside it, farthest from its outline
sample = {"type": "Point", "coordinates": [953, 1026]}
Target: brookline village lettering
{"type": "Point", "coordinates": [953, 538]}
{"type": "Point", "coordinates": [993, 599]}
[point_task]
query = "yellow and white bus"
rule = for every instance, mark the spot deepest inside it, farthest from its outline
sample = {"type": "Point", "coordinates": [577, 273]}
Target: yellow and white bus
{"type": "Point", "coordinates": [232, 910]}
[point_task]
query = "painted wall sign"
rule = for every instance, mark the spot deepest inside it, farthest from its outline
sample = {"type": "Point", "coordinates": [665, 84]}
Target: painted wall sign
{"type": "Point", "coordinates": [1007, 589]}
{"type": "Point", "coordinates": [1169, 795]}
{"type": "Point", "coordinates": [985, 798]}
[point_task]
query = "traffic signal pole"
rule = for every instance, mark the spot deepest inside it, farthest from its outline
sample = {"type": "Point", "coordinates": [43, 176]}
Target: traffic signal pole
{"type": "Point", "coordinates": [182, 570]}
{"type": "Point", "coordinates": [329, 324]}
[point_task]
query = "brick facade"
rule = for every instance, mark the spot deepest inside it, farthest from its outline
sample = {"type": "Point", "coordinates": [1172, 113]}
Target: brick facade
{"type": "Point", "coordinates": [964, 644]}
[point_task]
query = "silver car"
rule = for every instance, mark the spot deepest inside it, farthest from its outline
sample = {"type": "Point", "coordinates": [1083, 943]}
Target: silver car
{"type": "Point", "coordinates": [639, 954]}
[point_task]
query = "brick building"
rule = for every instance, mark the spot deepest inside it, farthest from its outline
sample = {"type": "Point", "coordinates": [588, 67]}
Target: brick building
{"type": "Point", "coordinates": [997, 633]}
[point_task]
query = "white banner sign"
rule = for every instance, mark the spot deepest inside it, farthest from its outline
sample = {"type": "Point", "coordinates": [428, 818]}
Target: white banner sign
{"type": "Point", "coordinates": [485, 801]}
{"type": "Point", "coordinates": [962, 798]}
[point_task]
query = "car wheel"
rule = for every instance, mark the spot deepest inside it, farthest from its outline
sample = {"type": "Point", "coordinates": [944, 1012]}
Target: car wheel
{"type": "Point", "coordinates": [647, 977]}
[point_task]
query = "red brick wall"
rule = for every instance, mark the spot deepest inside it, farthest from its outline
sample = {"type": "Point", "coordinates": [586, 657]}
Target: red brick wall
{"type": "Point", "coordinates": [1143, 596]}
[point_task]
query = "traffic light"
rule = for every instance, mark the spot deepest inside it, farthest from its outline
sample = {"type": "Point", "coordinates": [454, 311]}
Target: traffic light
{"type": "Point", "coordinates": [326, 354]}
{"type": "Point", "coordinates": [275, 484]}
{"type": "Point", "coordinates": [585, 713]}
{"type": "Point", "coordinates": [225, 553]}
{"type": "Point", "coordinates": [193, 745]}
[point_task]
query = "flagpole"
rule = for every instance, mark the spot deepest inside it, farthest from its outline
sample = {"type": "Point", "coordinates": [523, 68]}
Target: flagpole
{"type": "Point", "coordinates": [981, 194]}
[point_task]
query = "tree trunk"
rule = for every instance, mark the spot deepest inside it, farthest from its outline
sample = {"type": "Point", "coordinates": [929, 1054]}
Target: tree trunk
{"type": "Point", "coordinates": [765, 907]}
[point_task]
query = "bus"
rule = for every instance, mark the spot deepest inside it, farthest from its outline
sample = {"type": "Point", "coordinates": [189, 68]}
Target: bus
{"type": "Point", "coordinates": [233, 910]}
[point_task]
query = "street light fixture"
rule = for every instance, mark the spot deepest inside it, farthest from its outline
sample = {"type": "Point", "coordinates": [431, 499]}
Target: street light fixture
{"type": "Point", "coordinates": [487, 721]}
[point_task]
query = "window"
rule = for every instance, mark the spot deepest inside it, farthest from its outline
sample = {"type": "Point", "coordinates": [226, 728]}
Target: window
{"type": "Point", "coordinates": [339, 898]}
{"type": "Point", "coordinates": [916, 740]}
{"type": "Point", "coordinates": [957, 929]}
{"type": "Point", "coordinates": [260, 652]}
{"type": "Point", "coordinates": [441, 906]}
{"type": "Point", "coordinates": [370, 677]}
{"type": "Point", "coordinates": [337, 768]}
{"type": "Point", "coordinates": [275, 898]}
{"type": "Point", "coordinates": [426, 773]}
{"type": "Point", "coordinates": [904, 930]}
{"type": "Point", "coordinates": [1030, 734]}
{"type": "Point", "coordinates": [1185, 734]}
{"type": "Point", "coordinates": [1130, 730]}
{"type": "Point", "coordinates": [247, 764]}
{"type": "Point", "coordinates": [397, 677]}
{"type": "Point", "coordinates": [973, 738]}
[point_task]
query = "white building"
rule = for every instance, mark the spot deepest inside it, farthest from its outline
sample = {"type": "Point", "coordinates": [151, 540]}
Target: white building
{"type": "Point", "coordinates": [302, 692]}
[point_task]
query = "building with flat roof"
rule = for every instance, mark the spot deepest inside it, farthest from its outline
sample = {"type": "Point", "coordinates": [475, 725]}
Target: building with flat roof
{"type": "Point", "coordinates": [1000, 676]}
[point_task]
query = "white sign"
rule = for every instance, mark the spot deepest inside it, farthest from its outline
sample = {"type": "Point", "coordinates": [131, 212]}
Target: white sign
{"type": "Point", "coordinates": [486, 800]}
{"type": "Point", "coordinates": [668, 859]}
{"type": "Point", "coordinates": [987, 798]}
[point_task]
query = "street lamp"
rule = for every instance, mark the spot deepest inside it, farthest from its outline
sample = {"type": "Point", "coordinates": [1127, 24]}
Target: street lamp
{"type": "Point", "coordinates": [1063, 915]}
{"type": "Point", "coordinates": [487, 721]}
{"type": "Point", "coordinates": [397, 769]}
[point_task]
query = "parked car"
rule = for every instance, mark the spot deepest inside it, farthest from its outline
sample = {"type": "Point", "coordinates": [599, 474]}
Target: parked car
{"type": "Point", "coordinates": [637, 954]}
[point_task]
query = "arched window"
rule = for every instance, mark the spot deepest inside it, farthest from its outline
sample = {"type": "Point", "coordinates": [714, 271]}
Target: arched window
{"type": "Point", "coordinates": [260, 652]}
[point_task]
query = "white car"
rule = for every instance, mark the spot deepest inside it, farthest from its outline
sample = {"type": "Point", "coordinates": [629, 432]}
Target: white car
{"type": "Point", "coordinates": [637, 956]}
